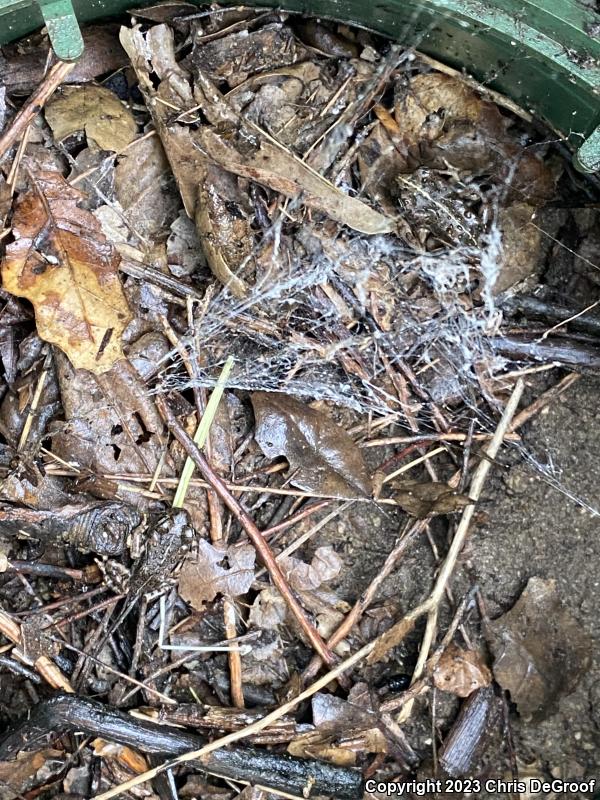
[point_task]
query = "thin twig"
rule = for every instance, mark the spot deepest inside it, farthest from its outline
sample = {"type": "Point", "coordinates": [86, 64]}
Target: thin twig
{"type": "Point", "coordinates": [262, 548]}
{"type": "Point", "coordinates": [427, 438]}
{"type": "Point", "coordinates": [47, 668]}
{"type": "Point", "coordinates": [396, 634]}
{"type": "Point", "coordinates": [367, 598]}
{"type": "Point", "coordinates": [543, 400]}
{"type": "Point", "coordinates": [34, 105]}
{"type": "Point", "coordinates": [249, 730]}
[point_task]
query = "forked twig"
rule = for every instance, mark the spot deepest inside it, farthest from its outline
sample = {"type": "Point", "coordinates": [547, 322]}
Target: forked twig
{"type": "Point", "coordinates": [255, 536]}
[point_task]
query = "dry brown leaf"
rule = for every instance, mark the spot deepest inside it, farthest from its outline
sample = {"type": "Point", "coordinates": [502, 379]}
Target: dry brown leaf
{"type": "Point", "coordinates": [111, 425]}
{"type": "Point", "coordinates": [61, 262]}
{"type": "Point", "coordinates": [95, 110]}
{"type": "Point", "coordinates": [323, 458]}
{"type": "Point", "coordinates": [145, 188]}
{"type": "Point", "coordinates": [271, 165]}
{"type": "Point", "coordinates": [461, 671]}
{"type": "Point", "coordinates": [540, 650]}
{"type": "Point", "coordinates": [428, 499]}
{"type": "Point", "coordinates": [205, 188]}
{"type": "Point", "coordinates": [216, 570]}
{"type": "Point", "coordinates": [521, 243]}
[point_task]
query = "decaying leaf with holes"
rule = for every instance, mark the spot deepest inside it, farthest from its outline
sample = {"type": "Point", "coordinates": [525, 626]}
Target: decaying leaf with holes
{"type": "Point", "coordinates": [216, 570]}
{"type": "Point", "coordinates": [61, 262]}
{"type": "Point", "coordinates": [461, 672]}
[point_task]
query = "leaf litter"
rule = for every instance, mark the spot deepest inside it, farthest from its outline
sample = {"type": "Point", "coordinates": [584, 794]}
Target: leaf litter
{"type": "Point", "coordinates": [350, 224]}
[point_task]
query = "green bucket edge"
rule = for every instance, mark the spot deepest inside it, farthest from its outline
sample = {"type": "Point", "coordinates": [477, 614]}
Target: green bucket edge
{"type": "Point", "coordinates": [542, 54]}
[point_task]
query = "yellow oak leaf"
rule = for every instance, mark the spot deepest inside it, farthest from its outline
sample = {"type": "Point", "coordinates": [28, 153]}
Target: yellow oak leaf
{"type": "Point", "coordinates": [61, 261]}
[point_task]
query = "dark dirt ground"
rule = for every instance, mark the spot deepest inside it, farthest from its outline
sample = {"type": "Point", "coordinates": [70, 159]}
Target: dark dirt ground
{"type": "Point", "coordinates": [527, 528]}
{"type": "Point", "coordinates": [535, 530]}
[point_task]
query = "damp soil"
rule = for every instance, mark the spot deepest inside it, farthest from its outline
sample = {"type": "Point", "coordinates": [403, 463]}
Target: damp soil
{"type": "Point", "coordinates": [536, 519]}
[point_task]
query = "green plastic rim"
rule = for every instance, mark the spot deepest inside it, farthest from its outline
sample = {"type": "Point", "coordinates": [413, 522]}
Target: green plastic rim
{"type": "Point", "coordinates": [543, 54]}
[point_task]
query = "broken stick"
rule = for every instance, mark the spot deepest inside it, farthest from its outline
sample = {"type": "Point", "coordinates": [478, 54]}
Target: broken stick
{"type": "Point", "coordinates": [255, 536]}
{"type": "Point", "coordinates": [34, 105]}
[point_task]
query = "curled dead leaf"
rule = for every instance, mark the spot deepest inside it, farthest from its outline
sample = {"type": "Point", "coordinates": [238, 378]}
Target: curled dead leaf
{"type": "Point", "coordinates": [461, 672]}
{"type": "Point", "coordinates": [540, 650]}
{"type": "Point", "coordinates": [95, 110]}
{"type": "Point", "coordinates": [322, 456]}
{"type": "Point", "coordinates": [61, 262]}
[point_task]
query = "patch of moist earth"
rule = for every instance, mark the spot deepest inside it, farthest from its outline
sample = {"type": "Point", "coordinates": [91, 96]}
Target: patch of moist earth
{"type": "Point", "coordinates": [535, 529]}
{"type": "Point", "coordinates": [536, 518]}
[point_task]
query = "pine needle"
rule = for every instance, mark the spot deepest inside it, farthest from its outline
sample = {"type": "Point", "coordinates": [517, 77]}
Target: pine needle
{"type": "Point", "coordinates": [201, 434]}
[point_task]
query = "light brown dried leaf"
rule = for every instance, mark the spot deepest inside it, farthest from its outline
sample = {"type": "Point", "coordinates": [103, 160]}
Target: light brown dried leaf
{"type": "Point", "coordinates": [323, 458]}
{"type": "Point", "coordinates": [145, 188]}
{"type": "Point", "coordinates": [521, 243]}
{"type": "Point", "coordinates": [61, 262]}
{"type": "Point", "coordinates": [461, 672]}
{"type": "Point", "coordinates": [216, 570]}
{"type": "Point", "coordinates": [271, 165]}
{"type": "Point", "coordinates": [95, 110]}
{"type": "Point", "coordinates": [540, 650]}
